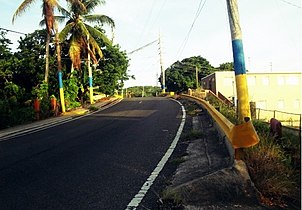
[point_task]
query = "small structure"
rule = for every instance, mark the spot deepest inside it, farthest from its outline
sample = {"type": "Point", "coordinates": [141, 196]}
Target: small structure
{"type": "Point", "coordinates": [275, 128]}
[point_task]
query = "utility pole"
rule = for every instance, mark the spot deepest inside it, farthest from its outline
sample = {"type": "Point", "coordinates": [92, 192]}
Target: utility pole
{"type": "Point", "coordinates": [161, 67]}
{"type": "Point", "coordinates": [239, 63]}
{"type": "Point", "coordinates": [196, 69]}
{"type": "Point", "coordinates": [89, 72]}
{"type": "Point", "coordinates": [243, 135]}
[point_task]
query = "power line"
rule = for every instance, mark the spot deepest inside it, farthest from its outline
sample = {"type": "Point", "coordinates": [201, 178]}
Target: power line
{"type": "Point", "coordinates": [140, 48]}
{"type": "Point", "coordinates": [292, 4]}
{"type": "Point", "coordinates": [184, 43]}
{"type": "Point", "coordinates": [147, 21]}
{"type": "Point", "coordinates": [8, 30]}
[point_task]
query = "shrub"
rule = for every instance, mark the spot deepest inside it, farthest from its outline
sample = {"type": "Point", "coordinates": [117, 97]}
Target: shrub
{"type": "Point", "coordinates": [276, 180]}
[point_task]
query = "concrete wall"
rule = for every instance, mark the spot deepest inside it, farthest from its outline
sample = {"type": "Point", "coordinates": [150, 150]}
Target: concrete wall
{"type": "Point", "coordinates": [270, 91]}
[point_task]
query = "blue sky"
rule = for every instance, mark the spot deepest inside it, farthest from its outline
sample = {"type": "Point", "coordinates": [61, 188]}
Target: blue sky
{"type": "Point", "coordinates": [271, 31]}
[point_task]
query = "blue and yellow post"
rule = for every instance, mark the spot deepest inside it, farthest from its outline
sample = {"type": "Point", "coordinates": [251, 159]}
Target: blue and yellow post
{"type": "Point", "coordinates": [239, 62]}
{"type": "Point", "coordinates": [90, 85]}
{"type": "Point", "coordinates": [89, 72]}
{"type": "Point", "coordinates": [244, 134]}
{"type": "Point", "coordinates": [62, 99]}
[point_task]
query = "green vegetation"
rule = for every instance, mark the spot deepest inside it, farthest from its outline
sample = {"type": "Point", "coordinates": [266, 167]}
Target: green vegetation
{"type": "Point", "coordinates": [192, 135]}
{"type": "Point", "coordinates": [31, 72]}
{"type": "Point", "coordinates": [171, 199]}
{"type": "Point", "coordinates": [140, 91]}
{"type": "Point", "coordinates": [181, 75]}
{"type": "Point", "coordinates": [274, 165]}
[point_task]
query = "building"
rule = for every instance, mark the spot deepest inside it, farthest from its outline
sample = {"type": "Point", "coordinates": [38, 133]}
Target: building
{"type": "Point", "coordinates": [277, 94]}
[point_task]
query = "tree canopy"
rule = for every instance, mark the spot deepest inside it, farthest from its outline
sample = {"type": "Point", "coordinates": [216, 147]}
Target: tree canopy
{"type": "Point", "coordinates": [181, 75]}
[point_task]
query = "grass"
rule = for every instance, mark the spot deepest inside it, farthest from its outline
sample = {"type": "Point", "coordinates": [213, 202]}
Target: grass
{"type": "Point", "coordinates": [192, 135]}
{"type": "Point", "coordinates": [93, 108]}
{"type": "Point", "coordinates": [171, 199]}
{"type": "Point", "coordinates": [271, 173]}
{"type": "Point", "coordinates": [192, 109]}
{"type": "Point", "coordinates": [274, 165]}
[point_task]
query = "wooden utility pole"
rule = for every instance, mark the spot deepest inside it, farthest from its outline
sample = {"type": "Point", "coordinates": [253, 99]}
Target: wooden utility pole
{"type": "Point", "coordinates": [196, 69]}
{"type": "Point", "coordinates": [162, 67]}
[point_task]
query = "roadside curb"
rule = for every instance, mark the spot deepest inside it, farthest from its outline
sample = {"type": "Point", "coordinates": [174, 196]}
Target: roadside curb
{"type": "Point", "coordinates": [20, 130]}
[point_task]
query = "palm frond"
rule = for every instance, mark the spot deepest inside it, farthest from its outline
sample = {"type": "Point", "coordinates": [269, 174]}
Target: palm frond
{"type": "Point", "coordinates": [60, 19]}
{"type": "Point", "coordinates": [65, 31]}
{"type": "Point", "coordinates": [63, 11]}
{"type": "Point", "coordinates": [75, 53]}
{"type": "Point", "coordinates": [101, 19]}
{"type": "Point", "coordinates": [92, 4]}
{"type": "Point", "coordinates": [22, 8]}
{"type": "Point", "coordinates": [95, 48]}
{"type": "Point", "coordinates": [98, 34]}
{"type": "Point", "coordinates": [82, 29]}
{"type": "Point", "coordinates": [42, 23]}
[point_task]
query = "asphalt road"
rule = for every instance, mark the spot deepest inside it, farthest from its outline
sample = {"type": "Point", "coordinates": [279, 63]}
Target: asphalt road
{"type": "Point", "coordinates": [100, 161]}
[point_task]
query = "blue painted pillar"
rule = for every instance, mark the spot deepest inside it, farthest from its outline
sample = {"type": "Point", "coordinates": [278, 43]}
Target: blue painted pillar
{"type": "Point", "coordinates": [239, 62]}
{"type": "Point", "coordinates": [62, 99]}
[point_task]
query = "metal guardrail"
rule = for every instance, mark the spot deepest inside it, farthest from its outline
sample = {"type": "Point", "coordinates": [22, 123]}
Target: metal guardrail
{"type": "Point", "coordinates": [240, 136]}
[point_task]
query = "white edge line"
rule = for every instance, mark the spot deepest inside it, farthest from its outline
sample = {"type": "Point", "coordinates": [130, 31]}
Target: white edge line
{"type": "Point", "coordinates": [146, 186]}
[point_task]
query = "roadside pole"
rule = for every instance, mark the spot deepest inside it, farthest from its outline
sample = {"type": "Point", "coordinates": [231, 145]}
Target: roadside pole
{"type": "Point", "coordinates": [89, 72]}
{"type": "Point", "coordinates": [239, 63]}
{"type": "Point", "coordinates": [196, 71]}
{"type": "Point", "coordinates": [244, 134]}
{"type": "Point", "coordinates": [58, 49]}
{"type": "Point", "coordinates": [162, 67]}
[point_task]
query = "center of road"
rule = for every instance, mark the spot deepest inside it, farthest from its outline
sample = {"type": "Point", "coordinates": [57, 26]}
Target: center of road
{"type": "Point", "coordinates": [146, 186]}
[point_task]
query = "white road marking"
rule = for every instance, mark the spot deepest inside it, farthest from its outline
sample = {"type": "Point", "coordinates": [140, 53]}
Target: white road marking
{"type": "Point", "coordinates": [146, 186]}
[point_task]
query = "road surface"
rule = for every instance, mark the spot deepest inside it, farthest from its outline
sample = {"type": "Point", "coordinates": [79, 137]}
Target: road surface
{"type": "Point", "coordinates": [99, 161]}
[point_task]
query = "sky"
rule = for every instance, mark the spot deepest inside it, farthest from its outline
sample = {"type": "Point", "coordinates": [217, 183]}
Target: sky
{"type": "Point", "coordinates": [271, 32]}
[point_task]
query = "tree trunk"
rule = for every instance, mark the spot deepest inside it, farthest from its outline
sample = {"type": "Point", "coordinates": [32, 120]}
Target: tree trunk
{"type": "Point", "coordinates": [58, 49]}
{"type": "Point", "coordinates": [47, 58]}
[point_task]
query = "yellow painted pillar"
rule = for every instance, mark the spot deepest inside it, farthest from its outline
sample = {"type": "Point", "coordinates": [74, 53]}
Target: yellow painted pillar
{"type": "Point", "coordinates": [244, 134]}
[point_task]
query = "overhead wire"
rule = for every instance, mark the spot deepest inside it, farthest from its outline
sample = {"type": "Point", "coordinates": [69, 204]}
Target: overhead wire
{"type": "Point", "coordinates": [146, 22]}
{"type": "Point", "coordinates": [290, 3]}
{"type": "Point", "coordinates": [8, 30]}
{"type": "Point", "coordinates": [184, 43]}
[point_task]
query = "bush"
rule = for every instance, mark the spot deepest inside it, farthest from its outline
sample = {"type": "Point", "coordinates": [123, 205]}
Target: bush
{"type": "Point", "coordinates": [274, 178]}
{"type": "Point", "coordinates": [274, 165]}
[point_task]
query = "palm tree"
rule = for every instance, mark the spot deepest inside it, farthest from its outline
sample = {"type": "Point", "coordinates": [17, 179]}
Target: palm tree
{"type": "Point", "coordinates": [81, 35]}
{"type": "Point", "coordinates": [48, 13]}
{"type": "Point", "coordinates": [77, 30]}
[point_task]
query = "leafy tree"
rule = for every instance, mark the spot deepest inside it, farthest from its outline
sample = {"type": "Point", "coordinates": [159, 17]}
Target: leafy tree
{"type": "Point", "coordinates": [228, 66]}
{"type": "Point", "coordinates": [139, 91]}
{"type": "Point", "coordinates": [11, 95]}
{"type": "Point", "coordinates": [111, 73]}
{"type": "Point", "coordinates": [5, 55]}
{"type": "Point", "coordinates": [29, 62]}
{"type": "Point", "coordinates": [181, 75]}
